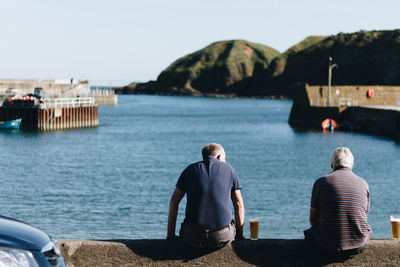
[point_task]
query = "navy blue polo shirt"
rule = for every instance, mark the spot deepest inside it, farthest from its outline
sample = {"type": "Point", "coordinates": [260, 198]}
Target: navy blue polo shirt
{"type": "Point", "coordinates": [209, 185]}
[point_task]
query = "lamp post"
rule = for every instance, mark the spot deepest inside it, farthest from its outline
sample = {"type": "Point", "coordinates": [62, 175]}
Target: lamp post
{"type": "Point", "coordinates": [331, 66]}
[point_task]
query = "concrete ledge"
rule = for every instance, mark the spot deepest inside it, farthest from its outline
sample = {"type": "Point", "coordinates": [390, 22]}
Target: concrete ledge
{"type": "Point", "coordinates": [263, 252]}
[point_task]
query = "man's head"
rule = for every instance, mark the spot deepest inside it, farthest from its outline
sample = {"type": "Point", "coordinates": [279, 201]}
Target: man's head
{"type": "Point", "coordinates": [342, 158]}
{"type": "Point", "coordinates": [214, 150]}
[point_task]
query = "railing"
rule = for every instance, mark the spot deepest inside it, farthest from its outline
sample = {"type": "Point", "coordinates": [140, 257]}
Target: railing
{"type": "Point", "coordinates": [67, 102]}
{"type": "Point", "coordinates": [98, 91]}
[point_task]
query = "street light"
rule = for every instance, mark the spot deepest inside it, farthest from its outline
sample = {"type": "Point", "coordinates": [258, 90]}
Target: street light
{"type": "Point", "coordinates": [331, 66]}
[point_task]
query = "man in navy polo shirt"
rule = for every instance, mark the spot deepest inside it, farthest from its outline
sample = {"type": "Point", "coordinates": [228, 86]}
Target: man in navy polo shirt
{"type": "Point", "coordinates": [211, 186]}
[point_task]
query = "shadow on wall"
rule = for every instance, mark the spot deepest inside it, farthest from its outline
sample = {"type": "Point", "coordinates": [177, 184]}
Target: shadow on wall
{"type": "Point", "coordinates": [264, 252]}
{"type": "Point", "coordinates": [164, 250]}
{"type": "Point", "coordinates": [281, 252]}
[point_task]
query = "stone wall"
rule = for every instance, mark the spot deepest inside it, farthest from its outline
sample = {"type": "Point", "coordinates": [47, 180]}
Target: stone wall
{"type": "Point", "coordinates": [350, 107]}
{"type": "Point", "coordinates": [105, 100]}
{"type": "Point", "coordinates": [52, 88]}
{"type": "Point", "coordinates": [346, 95]}
{"type": "Point", "coordinates": [376, 120]}
{"type": "Point", "coordinates": [263, 252]}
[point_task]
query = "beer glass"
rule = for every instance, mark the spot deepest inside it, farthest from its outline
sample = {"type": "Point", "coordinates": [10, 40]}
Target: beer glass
{"type": "Point", "coordinates": [254, 229]}
{"type": "Point", "coordinates": [395, 223]}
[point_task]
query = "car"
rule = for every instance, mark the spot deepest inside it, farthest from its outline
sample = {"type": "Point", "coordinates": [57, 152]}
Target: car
{"type": "Point", "coordinates": [24, 245]}
{"type": "Point", "coordinates": [34, 96]}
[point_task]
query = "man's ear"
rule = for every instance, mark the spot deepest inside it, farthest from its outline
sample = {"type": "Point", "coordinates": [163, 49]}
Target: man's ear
{"type": "Point", "coordinates": [218, 157]}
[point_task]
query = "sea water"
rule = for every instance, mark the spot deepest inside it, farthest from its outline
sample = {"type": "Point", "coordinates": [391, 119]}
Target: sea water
{"type": "Point", "coordinates": [115, 181]}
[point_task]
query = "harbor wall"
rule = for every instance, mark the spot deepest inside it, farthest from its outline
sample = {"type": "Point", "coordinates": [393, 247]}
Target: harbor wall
{"type": "Point", "coordinates": [346, 95]}
{"type": "Point", "coordinates": [67, 118]}
{"type": "Point", "coordinates": [52, 88]}
{"type": "Point", "coordinates": [106, 100]}
{"type": "Point", "coordinates": [57, 89]}
{"type": "Point", "coordinates": [376, 121]}
{"type": "Point", "coordinates": [262, 252]}
{"type": "Point", "coordinates": [49, 119]}
{"type": "Point", "coordinates": [351, 107]}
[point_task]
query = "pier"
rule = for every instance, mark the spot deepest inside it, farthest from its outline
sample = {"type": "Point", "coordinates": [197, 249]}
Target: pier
{"type": "Point", "coordinates": [367, 109]}
{"type": "Point", "coordinates": [262, 252]}
{"type": "Point", "coordinates": [55, 114]}
{"type": "Point", "coordinates": [48, 105]}
{"type": "Point", "coordinates": [61, 88]}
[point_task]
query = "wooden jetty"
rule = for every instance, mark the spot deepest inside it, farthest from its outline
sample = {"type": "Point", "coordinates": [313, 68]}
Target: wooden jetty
{"type": "Point", "coordinates": [54, 114]}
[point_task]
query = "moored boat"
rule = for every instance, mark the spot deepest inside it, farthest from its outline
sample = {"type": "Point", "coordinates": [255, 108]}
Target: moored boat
{"type": "Point", "coordinates": [10, 125]}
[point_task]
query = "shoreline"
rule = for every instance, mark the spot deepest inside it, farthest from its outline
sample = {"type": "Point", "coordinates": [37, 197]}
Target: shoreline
{"type": "Point", "coordinates": [213, 95]}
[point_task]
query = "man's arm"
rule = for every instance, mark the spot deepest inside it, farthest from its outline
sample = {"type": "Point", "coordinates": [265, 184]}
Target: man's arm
{"type": "Point", "coordinates": [173, 211]}
{"type": "Point", "coordinates": [314, 216]}
{"type": "Point", "coordinates": [238, 206]}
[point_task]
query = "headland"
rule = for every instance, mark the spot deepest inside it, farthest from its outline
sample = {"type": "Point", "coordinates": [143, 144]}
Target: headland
{"type": "Point", "coordinates": [244, 69]}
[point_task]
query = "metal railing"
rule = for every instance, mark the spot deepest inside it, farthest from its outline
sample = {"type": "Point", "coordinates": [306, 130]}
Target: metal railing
{"type": "Point", "coordinates": [67, 102]}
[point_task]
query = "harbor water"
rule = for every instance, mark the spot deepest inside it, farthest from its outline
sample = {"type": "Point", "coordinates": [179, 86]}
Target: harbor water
{"type": "Point", "coordinates": [115, 181]}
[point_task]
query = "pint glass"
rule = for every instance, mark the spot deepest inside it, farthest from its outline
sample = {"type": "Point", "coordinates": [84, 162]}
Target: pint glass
{"type": "Point", "coordinates": [395, 223]}
{"type": "Point", "coordinates": [254, 229]}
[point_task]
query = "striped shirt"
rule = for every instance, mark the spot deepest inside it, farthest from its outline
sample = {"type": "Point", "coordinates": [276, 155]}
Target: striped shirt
{"type": "Point", "coordinates": [343, 202]}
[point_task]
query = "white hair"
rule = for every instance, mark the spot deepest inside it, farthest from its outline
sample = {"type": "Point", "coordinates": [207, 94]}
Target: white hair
{"type": "Point", "coordinates": [212, 150]}
{"type": "Point", "coordinates": [342, 158]}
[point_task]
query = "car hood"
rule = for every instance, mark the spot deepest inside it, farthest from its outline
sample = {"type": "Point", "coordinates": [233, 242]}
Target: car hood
{"type": "Point", "coordinates": [17, 234]}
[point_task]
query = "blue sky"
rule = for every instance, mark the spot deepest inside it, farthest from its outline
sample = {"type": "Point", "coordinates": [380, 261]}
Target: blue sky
{"type": "Point", "coordinates": [120, 41]}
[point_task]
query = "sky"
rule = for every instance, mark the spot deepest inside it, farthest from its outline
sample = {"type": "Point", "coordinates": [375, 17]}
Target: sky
{"type": "Point", "coordinates": [116, 42]}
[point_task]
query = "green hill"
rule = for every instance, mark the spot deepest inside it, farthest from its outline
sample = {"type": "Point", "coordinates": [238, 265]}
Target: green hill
{"type": "Point", "coordinates": [213, 70]}
{"type": "Point", "coordinates": [363, 58]}
{"type": "Point", "coordinates": [279, 63]}
{"type": "Point", "coordinates": [269, 82]}
{"type": "Point", "coordinates": [241, 68]}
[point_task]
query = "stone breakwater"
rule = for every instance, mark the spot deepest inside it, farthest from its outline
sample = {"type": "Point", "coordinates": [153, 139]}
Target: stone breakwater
{"type": "Point", "coordinates": [368, 109]}
{"type": "Point", "coordinates": [263, 252]}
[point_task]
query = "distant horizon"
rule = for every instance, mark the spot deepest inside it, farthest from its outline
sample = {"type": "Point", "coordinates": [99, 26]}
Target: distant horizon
{"type": "Point", "coordinates": [116, 43]}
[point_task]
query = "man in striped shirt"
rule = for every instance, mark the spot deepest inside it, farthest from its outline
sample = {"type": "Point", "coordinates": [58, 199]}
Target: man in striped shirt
{"type": "Point", "coordinates": [339, 208]}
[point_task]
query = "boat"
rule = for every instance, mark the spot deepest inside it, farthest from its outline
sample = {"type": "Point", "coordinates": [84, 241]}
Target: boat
{"type": "Point", "coordinates": [10, 125]}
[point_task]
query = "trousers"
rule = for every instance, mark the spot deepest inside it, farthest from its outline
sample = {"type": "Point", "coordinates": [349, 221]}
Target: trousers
{"type": "Point", "coordinates": [343, 254]}
{"type": "Point", "coordinates": [207, 238]}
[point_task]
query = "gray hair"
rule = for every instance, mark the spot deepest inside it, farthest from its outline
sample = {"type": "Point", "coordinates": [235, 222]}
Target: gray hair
{"type": "Point", "coordinates": [212, 150]}
{"type": "Point", "coordinates": [342, 158]}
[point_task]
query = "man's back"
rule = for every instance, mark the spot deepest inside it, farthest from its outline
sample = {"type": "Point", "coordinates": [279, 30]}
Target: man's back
{"type": "Point", "coordinates": [209, 185]}
{"type": "Point", "coordinates": [343, 201]}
